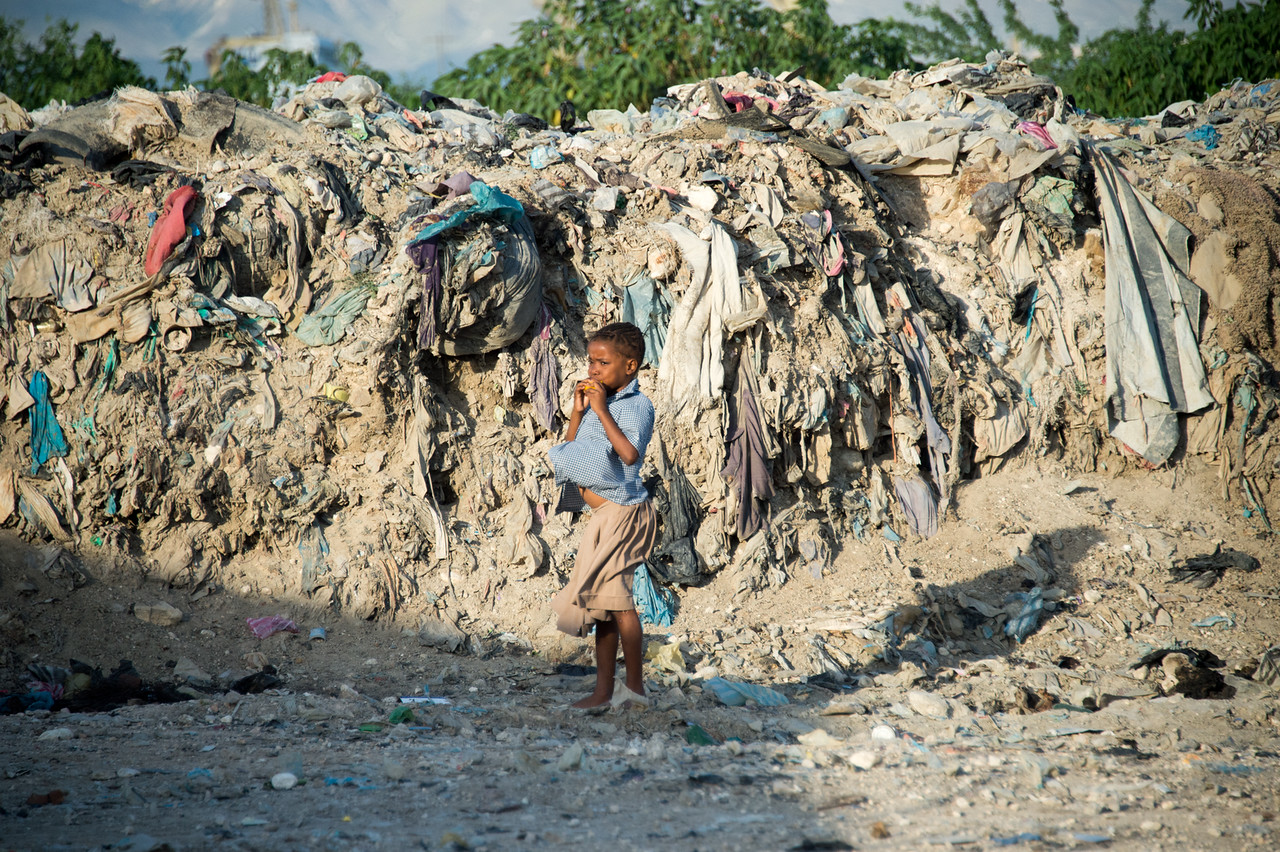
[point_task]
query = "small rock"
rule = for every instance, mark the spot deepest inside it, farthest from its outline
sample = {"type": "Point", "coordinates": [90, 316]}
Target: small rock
{"type": "Point", "coordinates": [166, 615]}
{"type": "Point", "coordinates": [56, 734]}
{"type": "Point", "coordinates": [1151, 826]}
{"type": "Point", "coordinates": [284, 781]}
{"type": "Point", "coordinates": [571, 759]}
{"type": "Point", "coordinates": [393, 770]}
{"type": "Point", "coordinates": [864, 760]}
{"type": "Point", "coordinates": [818, 738]}
{"type": "Point", "coordinates": [186, 669]}
{"type": "Point", "coordinates": [929, 704]}
{"type": "Point", "coordinates": [844, 706]}
{"type": "Point", "coordinates": [1092, 595]}
{"type": "Point", "coordinates": [127, 772]}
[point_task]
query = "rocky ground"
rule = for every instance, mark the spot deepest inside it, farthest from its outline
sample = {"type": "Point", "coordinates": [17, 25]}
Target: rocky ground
{"type": "Point", "coordinates": [940, 737]}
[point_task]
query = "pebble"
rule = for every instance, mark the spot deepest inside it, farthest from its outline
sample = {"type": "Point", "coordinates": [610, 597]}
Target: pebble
{"type": "Point", "coordinates": [818, 738]}
{"type": "Point", "coordinates": [166, 615]}
{"type": "Point", "coordinates": [284, 781]}
{"type": "Point", "coordinates": [864, 760]}
{"type": "Point", "coordinates": [571, 759]}
{"type": "Point", "coordinates": [1151, 826]}
{"type": "Point", "coordinates": [56, 734]}
{"type": "Point", "coordinates": [929, 704]}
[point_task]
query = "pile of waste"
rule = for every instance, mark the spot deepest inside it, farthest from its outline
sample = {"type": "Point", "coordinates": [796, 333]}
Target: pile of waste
{"type": "Point", "coordinates": [324, 349]}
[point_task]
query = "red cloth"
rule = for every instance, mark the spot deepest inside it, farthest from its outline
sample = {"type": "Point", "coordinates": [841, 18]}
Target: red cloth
{"type": "Point", "coordinates": [170, 228]}
{"type": "Point", "coordinates": [331, 77]}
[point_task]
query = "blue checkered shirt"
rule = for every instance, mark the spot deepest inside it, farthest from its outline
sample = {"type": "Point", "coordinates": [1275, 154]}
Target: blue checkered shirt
{"type": "Point", "coordinates": [590, 460]}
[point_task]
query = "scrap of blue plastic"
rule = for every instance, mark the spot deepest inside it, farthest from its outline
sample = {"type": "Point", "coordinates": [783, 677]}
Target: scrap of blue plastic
{"type": "Point", "coordinates": [1022, 624]}
{"type": "Point", "coordinates": [890, 534]}
{"type": "Point", "coordinates": [655, 607]}
{"type": "Point", "coordinates": [1024, 837]}
{"type": "Point", "coordinates": [735, 694]}
{"type": "Point", "coordinates": [489, 202]}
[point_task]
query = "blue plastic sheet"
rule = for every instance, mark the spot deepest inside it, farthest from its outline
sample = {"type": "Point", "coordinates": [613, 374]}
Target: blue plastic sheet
{"type": "Point", "coordinates": [1206, 133]}
{"type": "Point", "coordinates": [47, 440]}
{"type": "Point", "coordinates": [655, 604]}
{"type": "Point", "coordinates": [489, 202]}
{"type": "Point", "coordinates": [1024, 623]}
{"type": "Point", "coordinates": [735, 694]}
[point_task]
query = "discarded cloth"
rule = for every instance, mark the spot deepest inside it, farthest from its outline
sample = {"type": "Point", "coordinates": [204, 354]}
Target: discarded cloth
{"type": "Point", "coordinates": [170, 228]}
{"type": "Point", "coordinates": [327, 325]}
{"type": "Point", "coordinates": [646, 304]}
{"type": "Point", "coordinates": [692, 363]}
{"type": "Point", "coordinates": [544, 374]}
{"type": "Point", "coordinates": [54, 270]}
{"type": "Point", "coordinates": [918, 503]}
{"type": "Point", "coordinates": [1154, 369]}
{"type": "Point", "coordinates": [747, 467]}
{"type": "Point", "coordinates": [47, 440]}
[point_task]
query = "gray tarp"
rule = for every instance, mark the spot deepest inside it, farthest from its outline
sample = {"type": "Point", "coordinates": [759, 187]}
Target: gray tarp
{"type": "Point", "coordinates": [1154, 370]}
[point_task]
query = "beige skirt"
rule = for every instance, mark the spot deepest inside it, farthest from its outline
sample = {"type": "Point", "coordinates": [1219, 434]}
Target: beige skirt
{"type": "Point", "coordinates": [617, 539]}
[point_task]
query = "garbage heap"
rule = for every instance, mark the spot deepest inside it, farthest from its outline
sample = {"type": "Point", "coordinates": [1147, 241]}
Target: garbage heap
{"type": "Point", "coordinates": [324, 350]}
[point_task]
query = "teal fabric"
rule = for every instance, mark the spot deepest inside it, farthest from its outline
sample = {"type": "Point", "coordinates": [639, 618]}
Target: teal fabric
{"type": "Point", "coordinates": [47, 440]}
{"type": "Point", "coordinates": [489, 202]}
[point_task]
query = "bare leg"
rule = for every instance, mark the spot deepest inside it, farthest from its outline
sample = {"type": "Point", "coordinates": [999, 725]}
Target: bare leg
{"type": "Point", "coordinates": [632, 634]}
{"type": "Point", "coordinates": [606, 660]}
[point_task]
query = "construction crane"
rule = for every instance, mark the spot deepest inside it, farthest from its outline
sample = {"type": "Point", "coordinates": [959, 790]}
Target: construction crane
{"type": "Point", "coordinates": [274, 34]}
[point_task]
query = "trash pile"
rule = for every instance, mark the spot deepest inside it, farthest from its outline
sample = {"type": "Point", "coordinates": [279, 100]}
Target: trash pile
{"type": "Point", "coordinates": [327, 347]}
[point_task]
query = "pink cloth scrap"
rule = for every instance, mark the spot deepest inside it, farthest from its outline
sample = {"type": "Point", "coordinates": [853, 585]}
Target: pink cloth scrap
{"type": "Point", "coordinates": [331, 77]}
{"type": "Point", "coordinates": [1032, 128]}
{"type": "Point", "coordinates": [268, 624]}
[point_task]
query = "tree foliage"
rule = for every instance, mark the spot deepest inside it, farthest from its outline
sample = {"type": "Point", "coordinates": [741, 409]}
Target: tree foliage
{"type": "Point", "coordinates": [615, 54]}
{"type": "Point", "coordinates": [56, 69]}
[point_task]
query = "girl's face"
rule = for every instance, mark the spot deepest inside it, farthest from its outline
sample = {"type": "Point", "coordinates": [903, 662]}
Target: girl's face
{"type": "Point", "coordinates": [608, 366]}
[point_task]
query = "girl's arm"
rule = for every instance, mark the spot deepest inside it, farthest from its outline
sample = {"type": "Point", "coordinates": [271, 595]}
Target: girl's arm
{"type": "Point", "coordinates": [596, 398]}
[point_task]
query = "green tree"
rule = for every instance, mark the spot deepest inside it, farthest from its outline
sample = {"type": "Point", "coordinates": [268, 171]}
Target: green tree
{"type": "Point", "coordinates": [615, 54]}
{"type": "Point", "coordinates": [177, 70]}
{"type": "Point", "coordinates": [1141, 70]}
{"type": "Point", "coordinates": [57, 69]}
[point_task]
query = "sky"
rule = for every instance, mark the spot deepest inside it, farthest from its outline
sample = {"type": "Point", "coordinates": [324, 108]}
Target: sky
{"type": "Point", "coordinates": [417, 40]}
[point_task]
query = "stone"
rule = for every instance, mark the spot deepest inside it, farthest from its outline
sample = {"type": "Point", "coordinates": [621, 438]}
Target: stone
{"type": "Point", "coordinates": [818, 738]}
{"type": "Point", "coordinates": [163, 614]}
{"type": "Point", "coordinates": [186, 669]}
{"type": "Point", "coordinates": [56, 734]}
{"type": "Point", "coordinates": [929, 704]}
{"type": "Point", "coordinates": [571, 759]}
{"type": "Point", "coordinates": [284, 781]}
{"type": "Point", "coordinates": [864, 760]}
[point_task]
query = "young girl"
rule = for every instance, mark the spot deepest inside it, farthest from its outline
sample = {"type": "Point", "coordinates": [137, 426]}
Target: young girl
{"type": "Point", "coordinates": [599, 467]}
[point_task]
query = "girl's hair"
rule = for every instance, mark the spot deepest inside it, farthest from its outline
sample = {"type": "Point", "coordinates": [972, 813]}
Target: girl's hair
{"type": "Point", "coordinates": [623, 336]}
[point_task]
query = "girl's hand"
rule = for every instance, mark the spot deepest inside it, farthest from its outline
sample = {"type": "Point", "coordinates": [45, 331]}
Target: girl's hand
{"type": "Point", "coordinates": [594, 394]}
{"type": "Point", "coordinates": [580, 402]}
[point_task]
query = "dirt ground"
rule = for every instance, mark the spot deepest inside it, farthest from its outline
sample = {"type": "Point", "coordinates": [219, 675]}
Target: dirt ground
{"type": "Point", "coordinates": [967, 761]}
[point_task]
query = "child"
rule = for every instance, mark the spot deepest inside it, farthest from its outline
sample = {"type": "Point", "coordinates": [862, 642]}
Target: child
{"type": "Point", "coordinates": [599, 466]}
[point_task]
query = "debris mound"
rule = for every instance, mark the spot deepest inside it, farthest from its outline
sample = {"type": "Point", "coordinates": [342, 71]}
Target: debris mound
{"type": "Point", "coordinates": [329, 346]}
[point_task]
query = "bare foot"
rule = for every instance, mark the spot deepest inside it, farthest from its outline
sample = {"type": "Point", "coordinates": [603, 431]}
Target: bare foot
{"type": "Point", "coordinates": [592, 700]}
